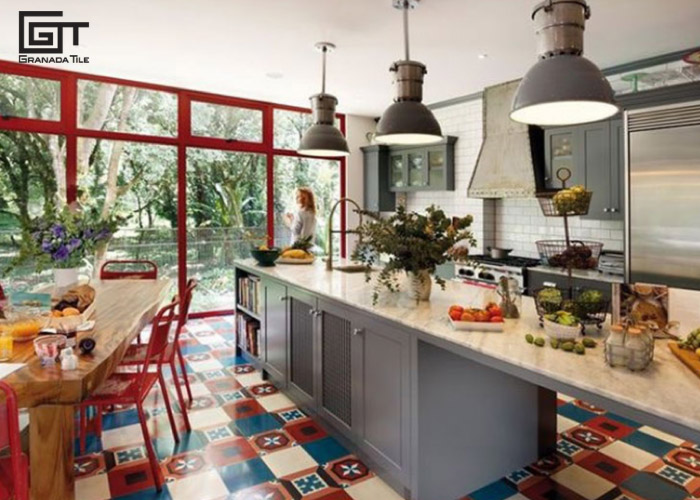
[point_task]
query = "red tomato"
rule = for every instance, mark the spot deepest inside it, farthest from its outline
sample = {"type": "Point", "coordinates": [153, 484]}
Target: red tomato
{"type": "Point", "coordinates": [482, 317]}
{"type": "Point", "coordinates": [457, 308]}
{"type": "Point", "coordinates": [495, 311]}
{"type": "Point", "coordinates": [456, 315]}
{"type": "Point", "coordinates": [496, 319]}
{"type": "Point", "coordinates": [468, 317]}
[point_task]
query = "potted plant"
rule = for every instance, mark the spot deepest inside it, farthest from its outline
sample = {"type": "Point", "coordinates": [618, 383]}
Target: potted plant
{"type": "Point", "coordinates": [414, 243]}
{"type": "Point", "coordinates": [63, 240]}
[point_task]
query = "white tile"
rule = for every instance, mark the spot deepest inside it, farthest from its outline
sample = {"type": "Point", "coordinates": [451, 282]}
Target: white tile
{"type": "Point", "coordinates": [211, 340]}
{"type": "Point", "coordinates": [564, 397]}
{"type": "Point", "coordinates": [275, 402]}
{"type": "Point", "coordinates": [564, 424]}
{"type": "Point", "coordinates": [93, 488]}
{"type": "Point", "coordinates": [205, 486]}
{"type": "Point", "coordinates": [198, 389]}
{"type": "Point", "coordinates": [583, 482]}
{"type": "Point", "coordinates": [205, 366]}
{"type": "Point", "coordinates": [629, 455]}
{"type": "Point", "coordinates": [122, 436]}
{"type": "Point", "coordinates": [248, 379]}
{"type": "Point", "coordinates": [285, 462]}
{"type": "Point", "coordinates": [208, 418]}
{"type": "Point", "coordinates": [662, 435]}
{"type": "Point", "coordinates": [372, 489]}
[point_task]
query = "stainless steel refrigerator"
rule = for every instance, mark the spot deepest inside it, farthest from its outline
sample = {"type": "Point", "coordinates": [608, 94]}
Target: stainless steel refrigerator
{"type": "Point", "coordinates": [663, 196]}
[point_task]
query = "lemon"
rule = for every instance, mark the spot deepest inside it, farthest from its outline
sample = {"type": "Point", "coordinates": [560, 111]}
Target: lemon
{"type": "Point", "coordinates": [697, 351]}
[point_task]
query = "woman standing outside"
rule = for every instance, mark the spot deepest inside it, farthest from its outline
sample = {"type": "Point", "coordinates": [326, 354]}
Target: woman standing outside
{"type": "Point", "coordinates": [303, 222]}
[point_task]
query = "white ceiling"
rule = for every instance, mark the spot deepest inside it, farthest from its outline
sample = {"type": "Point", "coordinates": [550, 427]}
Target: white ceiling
{"type": "Point", "coordinates": [229, 46]}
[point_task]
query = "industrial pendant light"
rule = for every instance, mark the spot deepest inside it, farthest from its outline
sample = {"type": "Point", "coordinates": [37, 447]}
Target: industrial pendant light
{"type": "Point", "coordinates": [322, 138]}
{"type": "Point", "coordinates": [408, 120]}
{"type": "Point", "coordinates": [563, 88]}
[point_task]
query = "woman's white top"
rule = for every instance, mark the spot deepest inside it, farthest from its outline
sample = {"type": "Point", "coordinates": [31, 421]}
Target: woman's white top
{"type": "Point", "coordinates": [303, 225]}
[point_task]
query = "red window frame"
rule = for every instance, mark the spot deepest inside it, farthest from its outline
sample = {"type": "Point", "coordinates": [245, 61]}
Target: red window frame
{"type": "Point", "coordinates": [67, 126]}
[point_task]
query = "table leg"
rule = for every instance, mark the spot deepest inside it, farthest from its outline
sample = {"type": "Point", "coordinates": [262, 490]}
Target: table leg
{"type": "Point", "coordinates": [547, 426]}
{"type": "Point", "coordinates": [51, 452]}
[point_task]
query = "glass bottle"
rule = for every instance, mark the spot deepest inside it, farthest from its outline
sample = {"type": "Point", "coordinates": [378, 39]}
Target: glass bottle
{"type": "Point", "coordinates": [511, 297]}
{"type": "Point", "coordinates": [637, 350]}
{"type": "Point", "coordinates": [6, 344]}
{"type": "Point", "coordinates": [615, 351]}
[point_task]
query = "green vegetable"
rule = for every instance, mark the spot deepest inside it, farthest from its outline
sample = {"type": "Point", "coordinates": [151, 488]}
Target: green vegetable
{"type": "Point", "coordinates": [529, 338]}
{"type": "Point", "coordinates": [563, 318]}
{"type": "Point", "coordinates": [539, 342]}
{"type": "Point", "coordinates": [589, 302]}
{"type": "Point", "coordinates": [579, 349]}
{"type": "Point", "coordinates": [692, 341]}
{"type": "Point", "coordinates": [550, 299]}
{"type": "Point", "coordinates": [567, 346]}
{"type": "Point", "coordinates": [554, 343]}
{"type": "Point", "coordinates": [589, 342]}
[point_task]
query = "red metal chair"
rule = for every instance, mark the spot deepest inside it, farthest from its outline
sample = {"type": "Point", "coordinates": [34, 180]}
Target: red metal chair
{"type": "Point", "coordinates": [136, 354]}
{"type": "Point", "coordinates": [149, 271]}
{"type": "Point", "coordinates": [133, 388]}
{"type": "Point", "coordinates": [14, 468]}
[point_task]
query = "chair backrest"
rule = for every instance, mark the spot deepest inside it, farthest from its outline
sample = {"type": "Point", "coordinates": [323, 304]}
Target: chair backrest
{"type": "Point", "coordinates": [158, 342]}
{"type": "Point", "coordinates": [115, 270]}
{"type": "Point", "coordinates": [185, 303]}
{"type": "Point", "coordinates": [9, 435]}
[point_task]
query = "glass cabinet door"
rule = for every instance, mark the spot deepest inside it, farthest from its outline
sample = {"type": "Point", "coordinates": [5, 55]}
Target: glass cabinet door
{"type": "Point", "coordinates": [562, 156]}
{"type": "Point", "coordinates": [396, 171]}
{"type": "Point", "coordinates": [416, 170]}
{"type": "Point", "coordinates": [436, 169]}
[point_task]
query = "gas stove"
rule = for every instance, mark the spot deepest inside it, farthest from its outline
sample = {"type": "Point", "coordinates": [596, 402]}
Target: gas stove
{"type": "Point", "coordinates": [483, 269]}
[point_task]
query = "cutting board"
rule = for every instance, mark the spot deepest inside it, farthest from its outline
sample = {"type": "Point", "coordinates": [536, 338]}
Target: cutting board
{"type": "Point", "coordinates": [689, 358]}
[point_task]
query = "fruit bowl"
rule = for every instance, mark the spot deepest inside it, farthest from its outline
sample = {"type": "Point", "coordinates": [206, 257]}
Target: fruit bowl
{"type": "Point", "coordinates": [475, 326]}
{"type": "Point", "coordinates": [561, 332]}
{"type": "Point", "coordinates": [265, 257]}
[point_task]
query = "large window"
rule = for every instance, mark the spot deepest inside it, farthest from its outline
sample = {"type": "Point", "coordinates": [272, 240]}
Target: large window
{"type": "Point", "coordinates": [199, 177]}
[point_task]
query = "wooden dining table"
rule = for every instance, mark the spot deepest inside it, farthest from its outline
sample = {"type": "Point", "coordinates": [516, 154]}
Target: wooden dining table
{"type": "Point", "coordinates": [122, 309]}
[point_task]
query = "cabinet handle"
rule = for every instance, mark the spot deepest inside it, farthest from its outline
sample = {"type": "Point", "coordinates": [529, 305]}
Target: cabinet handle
{"type": "Point", "coordinates": [284, 299]}
{"type": "Point", "coordinates": [614, 210]}
{"type": "Point", "coordinates": [317, 313]}
{"type": "Point", "coordinates": [549, 284]}
{"type": "Point", "coordinates": [606, 210]}
{"type": "Point", "coordinates": [358, 331]}
{"type": "Point", "coordinates": [312, 312]}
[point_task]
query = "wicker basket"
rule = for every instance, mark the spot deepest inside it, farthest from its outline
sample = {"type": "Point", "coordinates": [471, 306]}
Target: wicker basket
{"type": "Point", "coordinates": [583, 254]}
{"type": "Point", "coordinates": [561, 332]}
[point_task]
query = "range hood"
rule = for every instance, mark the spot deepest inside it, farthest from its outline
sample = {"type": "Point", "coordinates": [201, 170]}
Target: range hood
{"type": "Point", "coordinates": [506, 164]}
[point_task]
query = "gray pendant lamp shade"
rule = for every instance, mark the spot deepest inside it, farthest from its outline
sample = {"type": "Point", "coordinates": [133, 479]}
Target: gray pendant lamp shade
{"type": "Point", "coordinates": [322, 138]}
{"type": "Point", "coordinates": [408, 120]}
{"type": "Point", "coordinates": [563, 87]}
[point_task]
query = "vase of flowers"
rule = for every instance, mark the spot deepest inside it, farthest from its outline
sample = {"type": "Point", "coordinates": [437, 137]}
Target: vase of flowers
{"type": "Point", "coordinates": [63, 241]}
{"type": "Point", "coordinates": [415, 244]}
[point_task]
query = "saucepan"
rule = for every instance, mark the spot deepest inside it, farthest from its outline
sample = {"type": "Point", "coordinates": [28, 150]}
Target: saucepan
{"type": "Point", "coordinates": [498, 253]}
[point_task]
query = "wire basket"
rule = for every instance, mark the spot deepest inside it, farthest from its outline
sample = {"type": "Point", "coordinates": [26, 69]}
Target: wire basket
{"type": "Point", "coordinates": [590, 312]}
{"type": "Point", "coordinates": [581, 254]}
{"type": "Point", "coordinates": [554, 204]}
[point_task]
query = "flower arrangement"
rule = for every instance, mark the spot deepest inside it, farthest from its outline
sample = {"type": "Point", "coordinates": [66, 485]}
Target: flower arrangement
{"type": "Point", "coordinates": [415, 243]}
{"type": "Point", "coordinates": [64, 239]}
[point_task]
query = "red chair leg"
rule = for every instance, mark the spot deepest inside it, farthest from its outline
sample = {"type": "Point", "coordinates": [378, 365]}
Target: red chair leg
{"type": "Point", "coordinates": [180, 398]}
{"type": "Point", "coordinates": [184, 372]}
{"type": "Point", "coordinates": [166, 399]}
{"type": "Point", "coordinates": [98, 422]}
{"type": "Point", "coordinates": [83, 429]}
{"type": "Point", "coordinates": [152, 457]}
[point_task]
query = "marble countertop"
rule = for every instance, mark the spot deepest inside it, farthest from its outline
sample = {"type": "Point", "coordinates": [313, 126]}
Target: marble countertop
{"type": "Point", "coordinates": [589, 274]}
{"type": "Point", "coordinates": [666, 390]}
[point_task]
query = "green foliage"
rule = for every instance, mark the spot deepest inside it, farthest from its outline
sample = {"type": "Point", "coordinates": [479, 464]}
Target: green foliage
{"type": "Point", "coordinates": [414, 242]}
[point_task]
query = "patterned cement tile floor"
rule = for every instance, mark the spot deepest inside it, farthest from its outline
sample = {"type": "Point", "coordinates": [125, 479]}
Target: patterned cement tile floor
{"type": "Point", "coordinates": [250, 442]}
{"type": "Point", "coordinates": [603, 456]}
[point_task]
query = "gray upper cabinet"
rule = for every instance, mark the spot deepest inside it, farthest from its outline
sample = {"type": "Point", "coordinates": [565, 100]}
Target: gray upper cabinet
{"type": "Point", "coordinates": [275, 321]}
{"type": "Point", "coordinates": [595, 155]}
{"type": "Point", "coordinates": [378, 198]}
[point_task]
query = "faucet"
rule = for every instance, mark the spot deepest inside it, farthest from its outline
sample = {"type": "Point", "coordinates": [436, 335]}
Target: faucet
{"type": "Point", "coordinates": [330, 231]}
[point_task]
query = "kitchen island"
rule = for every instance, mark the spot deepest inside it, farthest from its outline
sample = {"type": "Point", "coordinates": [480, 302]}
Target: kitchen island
{"type": "Point", "coordinates": [439, 411]}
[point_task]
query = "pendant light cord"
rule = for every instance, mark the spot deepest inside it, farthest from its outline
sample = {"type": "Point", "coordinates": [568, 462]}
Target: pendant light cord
{"type": "Point", "coordinates": [324, 51]}
{"type": "Point", "coordinates": [407, 50]}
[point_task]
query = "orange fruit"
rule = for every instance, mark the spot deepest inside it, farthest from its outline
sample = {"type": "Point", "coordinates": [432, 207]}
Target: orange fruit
{"type": "Point", "coordinates": [468, 317]}
{"type": "Point", "coordinates": [56, 313]}
{"type": "Point", "coordinates": [70, 311]}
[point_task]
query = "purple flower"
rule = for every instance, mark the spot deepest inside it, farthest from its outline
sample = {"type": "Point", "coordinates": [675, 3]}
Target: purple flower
{"type": "Point", "coordinates": [88, 233]}
{"type": "Point", "coordinates": [103, 234]}
{"type": "Point", "coordinates": [74, 243]}
{"type": "Point", "coordinates": [61, 253]}
{"type": "Point", "coordinates": [58, 231]}
{"type": "Point", "coordinates": [46, 246]}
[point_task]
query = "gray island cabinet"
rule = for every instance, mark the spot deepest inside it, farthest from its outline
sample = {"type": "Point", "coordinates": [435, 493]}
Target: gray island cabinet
{"type": "Point", "coordinates": [434, 411]}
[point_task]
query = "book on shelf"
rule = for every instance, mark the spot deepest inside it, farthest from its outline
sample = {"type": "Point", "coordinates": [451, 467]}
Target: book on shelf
{"type": "Point", "coordinates": [249, 293]}
{"type": "Point", "coordinates": [248, 334]}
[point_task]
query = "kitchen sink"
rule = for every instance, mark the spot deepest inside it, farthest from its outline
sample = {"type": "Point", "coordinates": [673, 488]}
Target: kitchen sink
{"type": "Point", "coordinates": [351, 268]}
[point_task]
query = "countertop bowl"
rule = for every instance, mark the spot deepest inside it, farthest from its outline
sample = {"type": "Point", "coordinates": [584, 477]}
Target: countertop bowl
{"type": "Point", "coordinates": [266, 258]}
{"type": "Point", "coordinates": [561, 332]}
{"type": "Point", "coordinates": [48, 347]}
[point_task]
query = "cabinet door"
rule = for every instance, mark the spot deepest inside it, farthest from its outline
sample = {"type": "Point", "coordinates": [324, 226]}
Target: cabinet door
{"type": "Point", "coordinates": [276, 330]}
{"type": "Point", "coordinates": [559, 153]}
{"type": "Point", "coordinates": [383, 369]}
{"type": "Point", "coordinates": [417, 169]}
{"type": "Point", "coordinates": [595, 158]}
{"type": "Point", "coordinates": [302, 320]}
{"type": "Point", "coordinates": [437, 177]}
{"type": "Point", "coordinates": [617, 170]}
{"type": "Point", "coordinates": [397, 164]}
{"type": "Point", "coordinates": [338, 338]}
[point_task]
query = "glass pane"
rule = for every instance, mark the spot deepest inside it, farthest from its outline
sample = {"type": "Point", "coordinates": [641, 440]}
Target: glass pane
{"type": "Point", "coordinates": [323, 177]}
{"type": "Point", "coordinates": [289, 127]}
{"type": "Point", "coordinates": [30, 165]}
{"type": "Point", "coordinates": [227, 122]}
{"type": "Point", "coordinates": [226, 208]}
{"type": "Point", "coordinates": [137, 181]}
{"type": "Point", "coordinates": [437, 177]}
{"type": "Point", "coordinates": [436, 159]}
{"type": "Point", "coordinates": [26, 97]}
{"type": "Point", "coordinates": [416, 170]}
{"type": "Point", "coordinates": [116, 108]}
{"type": "Point", "coordinates": [397, 171]}
{"type": "Point", "coordinates": [561, 146]}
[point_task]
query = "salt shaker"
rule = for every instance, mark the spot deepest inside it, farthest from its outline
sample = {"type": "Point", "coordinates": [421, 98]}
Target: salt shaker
{"type": "Point", "coordinates": [69, 361]}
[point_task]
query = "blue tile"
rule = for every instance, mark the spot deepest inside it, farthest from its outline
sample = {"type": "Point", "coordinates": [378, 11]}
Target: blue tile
{"type": "Point", "coordinates": [576, 413]}
{"type": "Point", "coordinates": [325, 450]}
{"type": "Point", "coordinates": [230, 361]}
{"type": "Point", "coordinates": [245, 474]}
{"type": "Point", "coordinates": [194, 349]}
{"type": "Point", "coordinates": [650, 486]}
{"type": "Point", "coordinates": [119, 419]}
{"type": "Point", "coordinates": [92, 445]}
{"type": "Point", "coordinates": [623, 420]}
{"type": "Point", "coordinates": [500, 490]}
{"type": "Point", "coordinates": [148, 494]}
{"type": "Point", "coordinates": [257, 424]}
{"type": "Point", "coordinates": [166, 446]}
{"type": "Point", "coordinates": [648, 443]}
